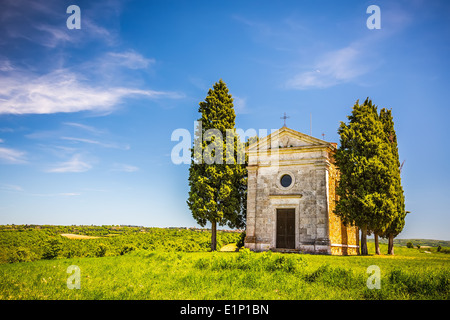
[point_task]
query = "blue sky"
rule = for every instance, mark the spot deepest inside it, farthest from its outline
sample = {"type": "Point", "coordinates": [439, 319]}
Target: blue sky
{"type": "Point", "coordinates": [86, 115]}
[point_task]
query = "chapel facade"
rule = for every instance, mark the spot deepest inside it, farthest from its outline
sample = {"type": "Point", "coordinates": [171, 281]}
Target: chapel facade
{"type": "Point", "coordinates": [291, 196]}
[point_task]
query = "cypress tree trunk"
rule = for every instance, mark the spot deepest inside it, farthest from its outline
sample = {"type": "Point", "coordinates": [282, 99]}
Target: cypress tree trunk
{"type": "Point", "coordinates": [377, 246]}
{"type": "Point", "coordinates": [391, 244]}
{"type": "Point", "coordinates": [213, 236]}
{"type": "Point", "coordinates": [364, 251]}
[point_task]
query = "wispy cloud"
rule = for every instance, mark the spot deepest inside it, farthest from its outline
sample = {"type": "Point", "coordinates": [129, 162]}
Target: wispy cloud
{"type": "Point", "coordinates": [13, 156]}
{"type": "Point", "coordinates": [55, 35]}
{"type": "Point", "coordinates": [61, 194]}
{"type": "Point", "coordinates": [40, 23]}
{"type": "Point", "coordinates": [279, 34]}
{"type": "Point", "coordinates": [84, 127]}
{"type": "Point", "coordinates": [75, 164]}
{"type": "Point", "coordinates": [332, 68]}
{"type": "Point", "coordinates": [63, 91]}
{"type": "Point", "coordinates": [54, 83]}
{"type": "Point", "coordinates": [261, 28]}
{"type": "Point", "coordinates": [124, 167]}
{"type": "Point", "coordinates": [325, 69]}
{"type": "Point", "coordinates": [5, 65]}
{"type": "Point", "coordinates": [99, 143]}
{"type": "Point", "coordinates": [352, 62]}
{"type": "Point", "coordinates": [130, 59]}
{"type": "Point", "coordinates": [69, 194]}
{"type": "Point", "coordinates": [17, 188]}
{"type": "Point", "coordinates": [10, 187]}
{"type": "Point", "coordinates": [240, 105]}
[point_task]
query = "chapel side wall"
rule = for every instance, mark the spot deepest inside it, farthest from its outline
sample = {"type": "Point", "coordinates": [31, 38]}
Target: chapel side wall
{"type": "Point", "coordinates": [337, 232]}
{"type": "Point", "coordinates": [345, 237]}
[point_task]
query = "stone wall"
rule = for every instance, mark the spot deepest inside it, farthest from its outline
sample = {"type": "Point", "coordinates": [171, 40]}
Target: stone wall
{"type": "Point", "coordinates": [344, 240]}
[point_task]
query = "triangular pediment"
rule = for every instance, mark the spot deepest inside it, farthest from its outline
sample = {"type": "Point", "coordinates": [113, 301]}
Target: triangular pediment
{"type": "Point", "coordinates": [288, 138]}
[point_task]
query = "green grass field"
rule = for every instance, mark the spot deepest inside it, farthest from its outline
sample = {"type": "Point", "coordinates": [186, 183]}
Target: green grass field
{"type": "Point", "coordinates": [145, 274]}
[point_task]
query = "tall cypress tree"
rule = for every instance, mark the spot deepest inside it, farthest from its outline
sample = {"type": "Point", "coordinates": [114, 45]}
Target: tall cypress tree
{"type": "Point", "coordinates": [398, 214]}
{"type": "Point", "coordinates": [217, 175]}
{"type": "Point", "coordinates": [364, 180]}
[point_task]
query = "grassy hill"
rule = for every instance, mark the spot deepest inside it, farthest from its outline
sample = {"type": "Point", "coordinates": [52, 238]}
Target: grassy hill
{"type": "Point", "coordinates": [174, 264]}
{"type": "Point", "coordinates": [144, 274]}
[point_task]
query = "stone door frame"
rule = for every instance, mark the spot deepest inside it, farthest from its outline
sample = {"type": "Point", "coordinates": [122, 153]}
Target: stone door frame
{"type": "Point", "coordinates": [291, 211]}
{"type": "Point", "coordinates": [274, 224]}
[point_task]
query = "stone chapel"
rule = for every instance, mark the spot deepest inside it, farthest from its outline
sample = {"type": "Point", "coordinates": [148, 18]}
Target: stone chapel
{"type": "Point", "coordinates": [291, 196]}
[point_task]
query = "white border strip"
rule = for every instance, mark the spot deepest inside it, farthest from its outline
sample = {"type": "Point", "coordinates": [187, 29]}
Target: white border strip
{"type": "Point", "coordinates": [344, 245]}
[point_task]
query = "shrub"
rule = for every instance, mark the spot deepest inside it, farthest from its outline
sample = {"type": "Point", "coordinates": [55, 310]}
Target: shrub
{"type": "Point", "coordinates": [127, 248]}
{"type": "Point", "coordinates": [101, 250]}
{"type": "Point", "coordinates": [69, 253]}
{"type": "Point", "coordinates": [51, 249]}
{"type": "Point", "coordinates": [409, 245]}
{"type": "Point", "coordinates": [21, 255]}
{"type": "Point", "coordinates": [335, 276]}
{"type": "Point", "coordinates": [202, 263]}
{"type": "Point", "coordinates": [312, 277]}
{"type": "Point", "coordinates": [281, 262]}
{"type": "Point", "coordinates": [434, 284]}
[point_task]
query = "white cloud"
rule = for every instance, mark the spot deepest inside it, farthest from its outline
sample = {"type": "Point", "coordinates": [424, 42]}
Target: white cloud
{"type": "Point", "coordinates": [99, 143]}
{"type": "Point", "coordinates": [73, 165]}
{"type": "Point", "coordinates": [131, 59]}
{"type": "Point", "coordinates": [69, 194]}
{"type": "Point", "coordinates": [97, 32]}
{"type": "Point", "coordinates": [240, 105]}
{"type": "Point", "coordinates": [63, 91]}
{"type": "Point", "coordinates": [84, 127]}
{"type": "Point", "coordinates": [61, 194]}
{"type": "Point", "coordinates": [23, 19]}
{"type": "Point", "coordinates": [334, 67]}
{"type": "Point", "coordinates": [5, 65]}
{"type": "Point", "coordinates": [262, 29]}
{"type": "Point", "coordinates": [55, 35]}
{"type": "Point", "coordinates": [124, 167]}
{"type": "Point", "coordinates": [10, 187]}
{"type": "Point", "coordinates": [13, 156]}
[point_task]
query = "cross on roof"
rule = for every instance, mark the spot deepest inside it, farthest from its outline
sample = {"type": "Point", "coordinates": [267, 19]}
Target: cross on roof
{"type": "Point", "coordinates": [284, 118]}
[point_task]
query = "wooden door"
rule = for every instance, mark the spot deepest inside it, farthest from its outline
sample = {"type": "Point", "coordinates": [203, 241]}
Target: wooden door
{"type": "Point", "coordinates": [286, 228]}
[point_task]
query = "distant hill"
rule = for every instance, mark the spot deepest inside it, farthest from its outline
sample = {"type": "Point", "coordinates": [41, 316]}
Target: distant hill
{"type": "Point", "coordinates": [415, 242]}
